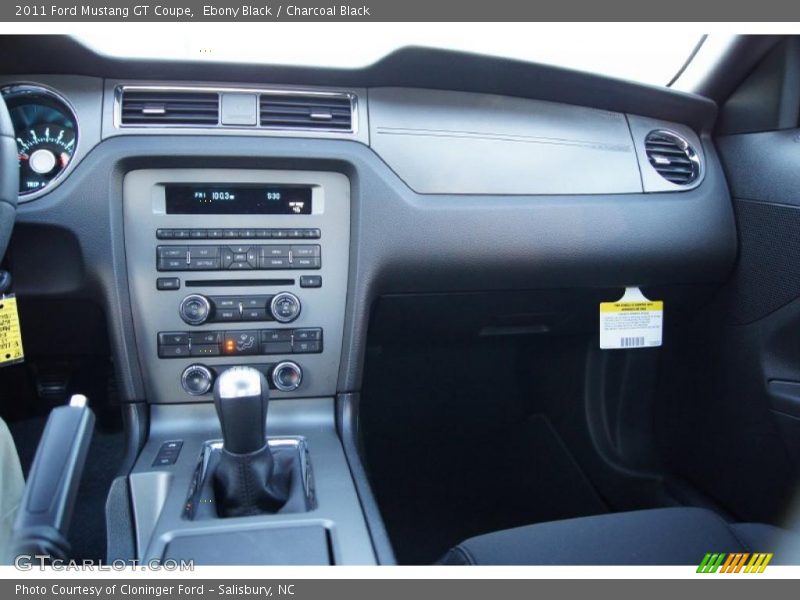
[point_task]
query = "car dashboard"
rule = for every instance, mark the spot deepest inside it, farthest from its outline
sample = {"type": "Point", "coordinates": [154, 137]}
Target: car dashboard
{"type": "Point", "coordinates": [264, 221]}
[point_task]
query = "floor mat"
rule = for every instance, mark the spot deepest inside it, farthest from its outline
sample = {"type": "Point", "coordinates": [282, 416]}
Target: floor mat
{"type": "Point", "coordinates": [453, 453]}
{"type": "Point", "coordinates": [88, 532]}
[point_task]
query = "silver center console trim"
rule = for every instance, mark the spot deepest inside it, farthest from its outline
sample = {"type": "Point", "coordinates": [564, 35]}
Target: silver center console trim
{"type": "Point", "coordinates": [155, 311]}
{"type": "Point", "coordinates": [158, 493]}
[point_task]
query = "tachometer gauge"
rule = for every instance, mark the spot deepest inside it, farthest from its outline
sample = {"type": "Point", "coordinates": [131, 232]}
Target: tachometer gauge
{"type": "Point", "coordinates": [46, 131]}
{"type": "Point", "coordinates": [44, 152]}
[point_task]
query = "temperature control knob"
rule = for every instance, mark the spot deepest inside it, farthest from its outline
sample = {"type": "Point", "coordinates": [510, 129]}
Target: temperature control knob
{"type": "Point", "coordinates": [285, 307]}
{"type": "Point", "coordinates": [197, 380]}
{"type": "Point", "coordinates": [195, 309]}
{"type": "Point", "coordinates": [287, 376]}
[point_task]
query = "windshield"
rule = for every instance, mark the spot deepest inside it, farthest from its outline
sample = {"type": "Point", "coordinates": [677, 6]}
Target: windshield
{"type": "Point", "coordinates": [637, 54]}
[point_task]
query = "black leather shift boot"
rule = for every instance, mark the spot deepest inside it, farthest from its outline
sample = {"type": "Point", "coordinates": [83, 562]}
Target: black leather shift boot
{"type": "Point", "coordinates": [251, 484]}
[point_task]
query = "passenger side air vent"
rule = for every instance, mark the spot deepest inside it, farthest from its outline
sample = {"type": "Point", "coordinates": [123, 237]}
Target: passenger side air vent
{"type": "Point", "coordinates": [169, 107]}
{"type": "Point", "coordinates": [318, 111]}
{"type": "Point", "coordinates": [672, 156]}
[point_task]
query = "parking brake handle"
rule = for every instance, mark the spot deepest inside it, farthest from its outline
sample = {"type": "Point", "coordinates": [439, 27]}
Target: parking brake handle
{"type": "Point", "coordinates": [49, 499]}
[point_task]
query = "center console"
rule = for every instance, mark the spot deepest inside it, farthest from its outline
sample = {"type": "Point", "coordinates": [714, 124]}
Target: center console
{"type": "Point", "coordinates": [238, 283]}
{"type": "Point", "coordinates": [237, 267]}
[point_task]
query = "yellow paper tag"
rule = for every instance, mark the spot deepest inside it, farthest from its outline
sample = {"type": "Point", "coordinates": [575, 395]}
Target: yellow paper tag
{"type": "Point", "coordinates": [10, 332]}
{"type": "Point", "coordinates": [633, 321]}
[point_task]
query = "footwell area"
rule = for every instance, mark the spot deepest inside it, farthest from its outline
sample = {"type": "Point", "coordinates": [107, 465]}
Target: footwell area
{"type": "Point", "coordinates": [452, 452]}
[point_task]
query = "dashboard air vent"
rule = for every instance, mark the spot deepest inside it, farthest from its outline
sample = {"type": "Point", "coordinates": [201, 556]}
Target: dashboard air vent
{"type": "Point", "coordinates": [672, 156]}
{"type": "Point", "coordinates": [295, 111]}
{"type": "Point", "coordinates": [169, 107]}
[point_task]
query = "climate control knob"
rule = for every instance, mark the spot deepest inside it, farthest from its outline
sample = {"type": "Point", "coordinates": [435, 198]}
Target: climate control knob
{"type": "Point", "coordinates": [287, 376]}
{"type": "Point", "coordinates": [195, 309]}
{"type": "Point", "coordinates": [285, 307]}
{"type": "Point", "coordinates": [197, 380]}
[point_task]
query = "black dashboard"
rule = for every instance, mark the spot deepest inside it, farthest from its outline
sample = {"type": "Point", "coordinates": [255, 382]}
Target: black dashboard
{"type": "Point", "coordinates": [484, 177]}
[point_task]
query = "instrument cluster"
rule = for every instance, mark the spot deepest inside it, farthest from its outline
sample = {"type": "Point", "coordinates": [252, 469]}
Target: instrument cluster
{"type": "Point", "coordinates": [46, 131]}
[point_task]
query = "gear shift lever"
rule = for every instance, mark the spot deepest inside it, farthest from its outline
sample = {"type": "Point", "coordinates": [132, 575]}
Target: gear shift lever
{"type": "Point", "coordinates": [241, 397]}
{"type": "Point", "coordinates": [245, 479]}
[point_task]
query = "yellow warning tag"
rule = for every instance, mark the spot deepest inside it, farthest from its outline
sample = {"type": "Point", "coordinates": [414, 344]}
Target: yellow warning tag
{"type": "Point", "coordinates": [633, 321]}
{"type": "Point", "coordinates": [10, 332]}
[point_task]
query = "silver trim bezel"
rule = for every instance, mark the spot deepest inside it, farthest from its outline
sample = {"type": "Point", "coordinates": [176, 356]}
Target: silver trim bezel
{"type": "Point", "coordinates": [275, 300]}
{"type": "Point", "coordinates": [196, 367]}
{"type": "Point", "coordinates": [46, 90]}
{"type": "Point", "coordinates": [205, 302]}
{"type": "Point", "coordinates": [120, 89]}
{"type": "Point", "coordinates": [287, 364]}
{"type": "Point", "coordinates": [691, 153]}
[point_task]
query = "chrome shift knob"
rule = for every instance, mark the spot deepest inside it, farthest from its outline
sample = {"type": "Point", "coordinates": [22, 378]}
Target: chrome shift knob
{"type": "Point", "coordinates": [241, 397]}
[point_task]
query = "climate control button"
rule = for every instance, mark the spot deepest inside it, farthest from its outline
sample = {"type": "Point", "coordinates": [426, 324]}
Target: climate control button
{"type": "Point", "coordinates": [287, 376]}
{"type": "Point", "coordinates": [197, 380]}
{"type": "Point", "coordinates": [285, 307]}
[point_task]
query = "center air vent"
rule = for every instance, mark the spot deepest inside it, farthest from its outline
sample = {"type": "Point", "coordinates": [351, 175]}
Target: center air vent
{"type": "Point", "coordinates": [672, 156]}
{"type": "Point", "coordinates": [294, 111]}
{"type": "Point", "coordinates": [169, 107]}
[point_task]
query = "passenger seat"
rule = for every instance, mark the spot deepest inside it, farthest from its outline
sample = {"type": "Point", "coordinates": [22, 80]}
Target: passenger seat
{"type": "Point", "coordinates": [665, 536]}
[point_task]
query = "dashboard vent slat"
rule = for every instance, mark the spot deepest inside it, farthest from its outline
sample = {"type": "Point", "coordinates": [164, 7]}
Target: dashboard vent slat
{"type": "Point", "coordinates": [295, 111]}
{"type": "Point", "coordinates": [156, 107]}
{"type": "Point", "coordinates": [672, 157]}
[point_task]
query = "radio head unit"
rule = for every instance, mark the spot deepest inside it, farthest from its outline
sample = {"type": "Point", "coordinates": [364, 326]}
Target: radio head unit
{"type": "Point", "coordinates": [216, 199]}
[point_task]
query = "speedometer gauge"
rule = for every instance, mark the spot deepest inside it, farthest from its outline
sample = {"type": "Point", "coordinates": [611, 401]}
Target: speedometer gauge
{"type": "Point", "coordinates": [46, 132]}
{"type": "Point", "coordinates": [44, 152]}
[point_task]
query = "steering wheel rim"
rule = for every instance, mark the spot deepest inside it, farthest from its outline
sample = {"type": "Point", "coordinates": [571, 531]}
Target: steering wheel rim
{"type": "Point", "coordinates": [9, 177]}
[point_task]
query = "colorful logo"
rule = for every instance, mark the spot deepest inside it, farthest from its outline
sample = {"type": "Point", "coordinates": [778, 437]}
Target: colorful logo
{"type": "Point", "coordinates": [739, 562]}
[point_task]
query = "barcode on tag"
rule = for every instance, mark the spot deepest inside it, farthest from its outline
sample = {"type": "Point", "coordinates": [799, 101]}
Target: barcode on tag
{"type": "Point", "coordinates": [631, 342]}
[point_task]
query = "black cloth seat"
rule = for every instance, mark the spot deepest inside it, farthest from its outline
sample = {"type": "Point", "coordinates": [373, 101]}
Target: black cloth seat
{"type": "Point", "coordinates": [664, 536]}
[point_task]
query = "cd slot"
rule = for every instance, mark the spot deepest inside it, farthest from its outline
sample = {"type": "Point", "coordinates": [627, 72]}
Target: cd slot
{"type": "Point", "coordinates": [192, 283]}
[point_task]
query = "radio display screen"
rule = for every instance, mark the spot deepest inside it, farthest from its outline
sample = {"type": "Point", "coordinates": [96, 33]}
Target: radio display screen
{"type": "Point", "coordinates": [216, 199]}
